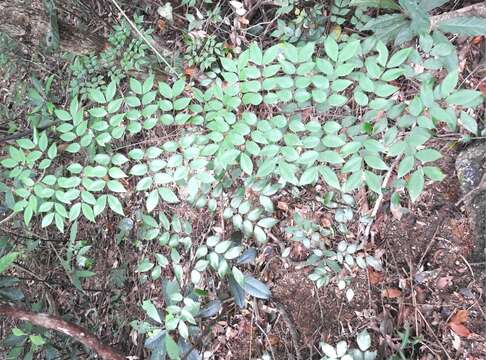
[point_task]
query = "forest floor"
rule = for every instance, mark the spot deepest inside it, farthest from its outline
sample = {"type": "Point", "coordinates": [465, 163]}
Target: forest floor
{"type": "Point", "coordinates": [426, 303]}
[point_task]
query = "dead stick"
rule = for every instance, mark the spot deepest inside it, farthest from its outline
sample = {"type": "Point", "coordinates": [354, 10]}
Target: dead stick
{"type": "Point", "coordinates": [379, 200]}
{"type": "Point", "coordinates": [56, 323]}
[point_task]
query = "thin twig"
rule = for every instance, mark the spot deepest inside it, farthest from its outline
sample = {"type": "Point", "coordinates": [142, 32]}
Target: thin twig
{"type": "Point", "coordinates": [379, 200]}
{"type": "Point", "coordinates": [144, 38]}
{"type": "Point", "coordinates": [35, 277]}
{"type": "Point", "coordinates": [431, 242]}
{"type": "Point", "coordinates": [433, 334]}
{"type": "Point", "coordinates": [414, 297]}
{"type": "Point", "coordinates": [266, 338]}
{"type": "Point", "coordinates": [480, 187]}
{"type": "Point", "coordinates": [467, 264]}
{"type": "Point", "coordinates": [7, 218]}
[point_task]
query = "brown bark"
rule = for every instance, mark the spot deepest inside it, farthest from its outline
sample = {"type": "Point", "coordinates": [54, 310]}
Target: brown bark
{"type": "Point", "coordinates": [56, 323]}
{"type": "Point", "coordinates": [472, 10]}
{"type": "Point", "coordinates": [27, 22]}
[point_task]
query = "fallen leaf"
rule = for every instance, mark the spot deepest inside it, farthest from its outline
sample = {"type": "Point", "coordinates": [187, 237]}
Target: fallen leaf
{"type": "Point", "coordinates": [398, 211]}
{"type": "Point", "coordinates": [459, 317]}
{"type": "Point", "coordinates": [165, 12]}
{"type": "Point", "coordinates": [392, 293]}
{"type": "Point", "coordinates": [477, 39]}
{"type": "Point", "coordinates": [273, 340]}
{"type": "Point", "coordinates": [460, 329]}
{"type": "Point", "coordinates": [161, 24]}
{"type": "Point", "coordinates": [458, 228]}
{"type": "Point", "coordinates": [456, 342]}
{"type": "Point", "coordinates": [243, 20]}
{"type": "Point", "coordinates": [238, 7]}
{"type": "Point", "coordinates": [189, 71]}
{"type": "Point", "coordinates": [482, 87]}
{"type": "Point", "coordinates": [375, 277]}
{"type": "Point", "coordinates": [444, 282]}
{"type": "Point", "coordinates": [283, 206]}
{"type": "Point", "coordinates": [326, 222]}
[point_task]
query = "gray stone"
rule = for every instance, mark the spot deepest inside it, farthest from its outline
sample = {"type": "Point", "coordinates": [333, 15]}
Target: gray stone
{"type": "Point", "coordinates": [470, 167]}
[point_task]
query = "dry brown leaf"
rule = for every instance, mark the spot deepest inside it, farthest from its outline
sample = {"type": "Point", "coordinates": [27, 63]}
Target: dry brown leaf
{"type": "Point", "coordinates": [444, 282]}
{"type": "Point", "coordinates": [161, 24]}
{"type": "Point", "coordinates": [273, 340]}
{"type": "Point", "coordinates": [392, 293]}
{"type": "Point", "coordinates": [326, 222]}
{"type": "Point", "coordinates": [243, 20]}
{"type": "Point", "coordinates": [459, 317]}
{"type": "Point", "coordinates": [477, 39]}
{"type": "Point", "coordinates": [190, 71]}
{"type": "Point", "coordinates": [283, 206]}
{"type": "Point", "coordinates": [375, 277]}
{"type": "Point", "coordinates": [482, 87]}
{"type": "Point", "coordinates": [460, 329]}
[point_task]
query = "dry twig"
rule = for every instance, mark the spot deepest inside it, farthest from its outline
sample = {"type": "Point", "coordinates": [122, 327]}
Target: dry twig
{"type": "Point", "coordinates": [379, 200]}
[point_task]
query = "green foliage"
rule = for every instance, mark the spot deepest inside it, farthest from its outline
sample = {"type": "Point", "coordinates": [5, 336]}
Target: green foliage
{"type": "Point", "coordinates": [327, 263]}
{"type": "Point", "coordinates": [203, 52]}
{"type": "Point", "coordinates": [202, 14]}
{"type": "Point", "coordinates": [414, 20]}
{"type": "Point", "coordinates": [464, 25]}
{"type": "Point", "coordinates": [8, 284]}
{"type": "Point", "coordinates": [308, 25]}
{"type": "Point", "coordinates": [339, 10]}
{"type": "Point", "coordinates": [122, 54]}
{"type": "Point", "coordinates": [76, 263]}
{"type": "Point", "coordinates": [408, 344]}
{"type": "Point", "coordinates": [231, 157]}
{"type": "Point", "coordinates": [343, 352]}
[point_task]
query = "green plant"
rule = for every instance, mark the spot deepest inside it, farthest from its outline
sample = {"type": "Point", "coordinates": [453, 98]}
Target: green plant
{"type": "Point", "coordinates": [308, 25]}
{"type": "Point", "coordinates": [76, 264]}
{"type": "Point", "coordinates": [230, 157]}
{"type": "Point", "coordinates": [343, 352]}
{"type": "Point", "coordinates": [206, 14]}
{"type": "Point", "coordinates": [27, 341]}
{"type": "Point", "coordinates": [285, 6]}
{"type": "Point", "coordinates": [414, 21]}
{"type": "Point", "coordinates": [408, 343]}
{"type": "Point", "coordinates": [203, 52]}
{"type": "Point", "coordinates": [123, 53]}
{"type": "Point", "coordinates": [8, 284]}
{"type": "Point", "coordinates": [339, 10]}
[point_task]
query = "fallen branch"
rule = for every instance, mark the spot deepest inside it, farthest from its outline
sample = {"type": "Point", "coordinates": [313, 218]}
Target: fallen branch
{"type": "Point", "coordinates": [56, 323]}
{"type": "Point", "coordinates": [472, 10]}
{"type": "Point", "coordinates": [293, 331]}
{"type": "Point", "coordinates": [378, 202]}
